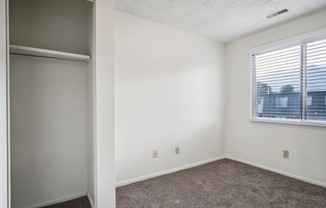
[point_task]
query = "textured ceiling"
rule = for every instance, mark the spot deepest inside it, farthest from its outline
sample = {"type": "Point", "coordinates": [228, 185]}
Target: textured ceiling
{"type": "Point", "coordinates": [222, 20]}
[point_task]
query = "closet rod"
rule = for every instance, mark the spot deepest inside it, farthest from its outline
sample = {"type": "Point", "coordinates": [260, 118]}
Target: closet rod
{"type": "Point", "coordinates": [44, 53]}
{"type": "Point", "coordinates": [50, 58]}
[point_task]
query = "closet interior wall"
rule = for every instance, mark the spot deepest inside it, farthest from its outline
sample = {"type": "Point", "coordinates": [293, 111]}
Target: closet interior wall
{"type": "Point", "coordinates": [51, 103]}
{"type": "Point", "coordinates": [90, 91]}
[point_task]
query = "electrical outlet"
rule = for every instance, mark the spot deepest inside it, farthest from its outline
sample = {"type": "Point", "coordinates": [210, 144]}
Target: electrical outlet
{"type": "Point", "coordinates": [155, 153]}
{"type": "Point", "coordinates": [177, 150]}
{"type": "Point", "coordinates": [286, 154]}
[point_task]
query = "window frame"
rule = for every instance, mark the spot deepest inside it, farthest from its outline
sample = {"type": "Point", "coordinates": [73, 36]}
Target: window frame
{"type": "Point", "coordinates": [296, 40]}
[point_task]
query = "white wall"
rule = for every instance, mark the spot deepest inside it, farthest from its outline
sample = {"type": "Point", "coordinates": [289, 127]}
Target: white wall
{"type": "Point", "coordinates": [48, 130]}
{"type": "Point", "coordinates": [104, 104]}
{"type": "Point", "coordinates": [3, 106]}
{"type": "Point", "coordinates": [262, 143]}
{"type": "Point", "coordinates": [169, 92]}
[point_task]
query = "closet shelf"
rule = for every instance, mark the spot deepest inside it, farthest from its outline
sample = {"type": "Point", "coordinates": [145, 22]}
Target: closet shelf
{"type": "Point", "coordinates": [44, 53]}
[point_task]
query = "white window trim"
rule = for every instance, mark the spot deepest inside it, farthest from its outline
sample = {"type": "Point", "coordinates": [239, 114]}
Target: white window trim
{"type": "Point", "coordinates": [289, 121]}
{"type": "Point", "coordinates": [299, 39]}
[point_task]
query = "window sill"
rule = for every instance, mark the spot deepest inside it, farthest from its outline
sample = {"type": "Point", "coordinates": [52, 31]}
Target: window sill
{"type": "Point", "coordinates": [290, 122]}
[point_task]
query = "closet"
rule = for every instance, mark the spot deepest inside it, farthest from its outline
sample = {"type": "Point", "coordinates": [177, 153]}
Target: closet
{"type": "Point", "coordinates": [51, 101]}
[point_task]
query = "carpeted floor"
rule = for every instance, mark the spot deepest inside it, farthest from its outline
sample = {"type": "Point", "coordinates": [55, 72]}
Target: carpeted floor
{"type": "Point", "coordinates": [224, 183]}
{"type": "Point", "coordinates": [76, 203]}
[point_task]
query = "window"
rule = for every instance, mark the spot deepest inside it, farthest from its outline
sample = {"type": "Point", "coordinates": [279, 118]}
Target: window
{"type": "Point", "coordinates": [282, 102]}
{"type": "Point", "coordinates": [289, 84]}
{"type": "Point", "coordinates": [260, 105]}
{"type": "Point", "coordinates": [309, 100]}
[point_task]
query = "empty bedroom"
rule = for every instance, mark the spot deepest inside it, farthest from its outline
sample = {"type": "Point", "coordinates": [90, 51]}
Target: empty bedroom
{"type": "Point", "coordinates": [163, 103]}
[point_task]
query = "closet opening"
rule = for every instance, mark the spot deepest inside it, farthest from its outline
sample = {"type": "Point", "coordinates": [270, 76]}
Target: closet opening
{"type": "Point", "coordinates": [51, 101]}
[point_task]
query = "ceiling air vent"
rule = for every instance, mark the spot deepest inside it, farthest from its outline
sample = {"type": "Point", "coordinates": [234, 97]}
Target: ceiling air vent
{"type": "Point", "coordinates": [277, 13]}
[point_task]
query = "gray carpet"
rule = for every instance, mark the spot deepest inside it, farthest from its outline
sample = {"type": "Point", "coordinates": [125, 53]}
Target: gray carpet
{"type": "Point", "coordinates": [224, 183]}
{"type": "Point", "coordinates": [81, 202]}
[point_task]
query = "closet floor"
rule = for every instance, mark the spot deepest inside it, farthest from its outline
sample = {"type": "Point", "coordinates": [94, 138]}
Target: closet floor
{"type": "Point", "coordinates": [81, 202]}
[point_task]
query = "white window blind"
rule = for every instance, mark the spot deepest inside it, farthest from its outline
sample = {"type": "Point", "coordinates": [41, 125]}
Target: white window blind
{"type": "Point", "coordinates": [291, 82]}
{"type": "Point", "coordinates": [316, 79]}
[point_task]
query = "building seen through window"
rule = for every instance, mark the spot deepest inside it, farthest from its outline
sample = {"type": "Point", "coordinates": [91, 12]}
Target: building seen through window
{"type": "Point", "coordinates": [291, 83]}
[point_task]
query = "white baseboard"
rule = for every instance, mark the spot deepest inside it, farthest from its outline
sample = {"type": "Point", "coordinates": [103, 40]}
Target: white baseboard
{"type": "Point", "coordinates": [278, 171]}
{"type": "Point", "coordinates": [90, 200]}
{"type": "Point", "coordinates": [142, 178]}
{"type": "Point", "coordinates": [56, 201]}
